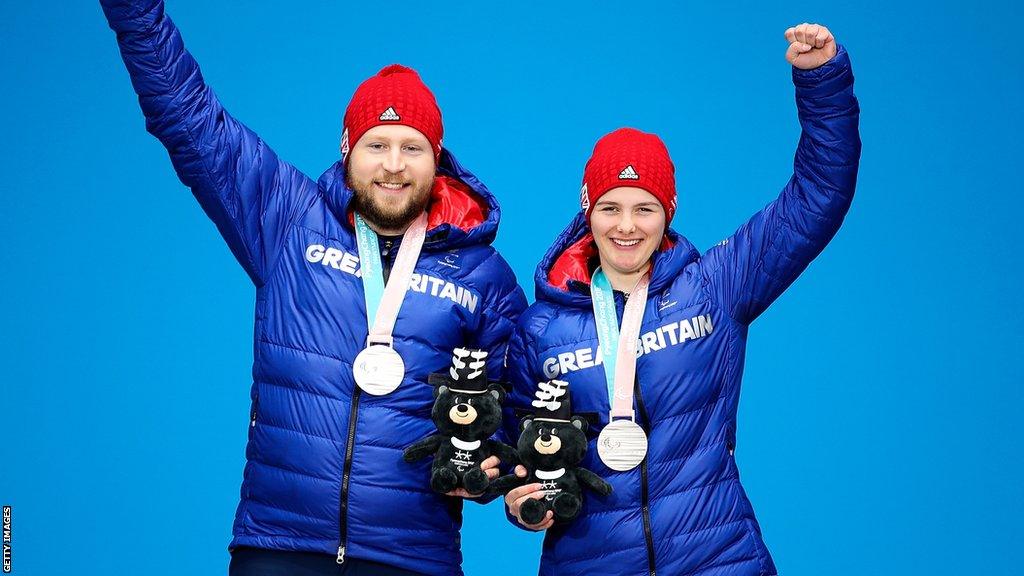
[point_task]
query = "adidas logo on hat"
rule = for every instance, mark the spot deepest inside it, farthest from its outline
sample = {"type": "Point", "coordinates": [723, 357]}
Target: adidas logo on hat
{"type": "Point", "coordinates": [628, 173]}
{"type": "Point", "coordinates": [389, 114]}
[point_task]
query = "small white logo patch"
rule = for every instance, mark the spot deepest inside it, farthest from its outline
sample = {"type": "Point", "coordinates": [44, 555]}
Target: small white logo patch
{"type": "Point", "coordinates": [664, 302]}
{"type": "Point", "coordinates": [390, 114]}
{"type": "Point", "coordinates": [450, 260]}
{"type": "Point", "coordinates": [628, 173]}
{"type": "Point", "coordinates": [584, 199]}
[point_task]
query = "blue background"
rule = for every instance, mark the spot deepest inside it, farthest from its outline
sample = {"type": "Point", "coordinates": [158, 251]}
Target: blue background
{"type": "Point", "coordinates": [879, 427]}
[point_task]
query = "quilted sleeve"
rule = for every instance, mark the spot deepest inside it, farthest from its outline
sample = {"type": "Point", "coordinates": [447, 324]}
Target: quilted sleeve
{"type": "Point", "coordinates": [238, 180]}
{"type": "Point", "coordinates": [502, 305]}
{"type": "Point", "coordinates": [522, 375]}
{"type": "Point", "coordinates": [750, 269]}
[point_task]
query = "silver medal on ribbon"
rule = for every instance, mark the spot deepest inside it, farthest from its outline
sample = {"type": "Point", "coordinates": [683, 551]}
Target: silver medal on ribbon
{"type": "Point", "coordinates": [622, 445]}
{"type": "Point", "coordinates": [378, 370]}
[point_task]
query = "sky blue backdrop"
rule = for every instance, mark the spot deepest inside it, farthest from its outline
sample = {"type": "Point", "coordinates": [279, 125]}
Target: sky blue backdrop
{"type": "Point", "coordinates": [879, 424]}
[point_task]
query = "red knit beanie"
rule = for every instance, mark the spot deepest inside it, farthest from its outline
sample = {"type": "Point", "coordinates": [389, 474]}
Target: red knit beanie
{"type": "Point", "coordinates": [395, 95]}
{"type": "Point", "coordinates": [629, 157]}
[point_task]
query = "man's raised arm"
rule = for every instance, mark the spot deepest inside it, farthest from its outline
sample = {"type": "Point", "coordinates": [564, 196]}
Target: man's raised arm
{"type": "Point", "coordinates": [241, 184]}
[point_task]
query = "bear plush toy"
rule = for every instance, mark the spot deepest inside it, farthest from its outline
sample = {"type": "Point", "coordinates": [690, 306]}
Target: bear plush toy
{"type": "Point", "coordinates": [466, 412]}
{"type": "Point", "coordinates": [551, 446]}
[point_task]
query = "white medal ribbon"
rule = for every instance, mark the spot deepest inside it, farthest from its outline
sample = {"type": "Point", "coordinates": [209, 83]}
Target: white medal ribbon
{"type": "Point", "coordinates": [378, 369]}
{"type": "Point", "coordinates": [622, 444]}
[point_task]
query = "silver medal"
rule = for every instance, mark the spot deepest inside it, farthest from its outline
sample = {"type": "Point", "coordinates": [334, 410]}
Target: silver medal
{"type": "Point", "coordinates": [622, 445]}
{"type": "Point", "coordinates": [378, 370]}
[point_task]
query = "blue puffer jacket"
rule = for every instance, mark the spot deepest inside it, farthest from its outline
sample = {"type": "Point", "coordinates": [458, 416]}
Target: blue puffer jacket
{"type": "Point", "coordinates": [324, 466]}
{"type": "Point", "coordinates": [683, 510]}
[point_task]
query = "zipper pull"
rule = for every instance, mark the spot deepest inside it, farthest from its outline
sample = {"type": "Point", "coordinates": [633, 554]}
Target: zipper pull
{"type": "Point", "coordinates": [255, 410]}
{"type": "Point", "coordinates": [341, 555]}
{"type": "Point", "coordinates": [387, 247]}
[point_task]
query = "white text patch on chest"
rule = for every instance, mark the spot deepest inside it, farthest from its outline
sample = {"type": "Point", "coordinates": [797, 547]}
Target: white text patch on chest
{"type": "Point", "coordinates": [673, 334]}
{"type": "Point", "coordinates": [422, 283]}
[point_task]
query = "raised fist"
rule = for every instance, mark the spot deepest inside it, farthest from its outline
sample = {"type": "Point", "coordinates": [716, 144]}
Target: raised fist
{"type": "Point", "coordinates": [810, 46]}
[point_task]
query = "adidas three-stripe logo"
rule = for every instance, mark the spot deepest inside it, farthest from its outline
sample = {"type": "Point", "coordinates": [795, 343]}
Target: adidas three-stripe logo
{"type": "Point", "coordinates": [628, 173]}
{"type": "Point", "coordinates": [389, 114]}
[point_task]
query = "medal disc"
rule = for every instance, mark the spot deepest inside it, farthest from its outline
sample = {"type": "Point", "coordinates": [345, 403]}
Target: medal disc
{"type": "Point", "coordinates": [378, 370]}
{"type": "Point", "coordinates": [622, 445]}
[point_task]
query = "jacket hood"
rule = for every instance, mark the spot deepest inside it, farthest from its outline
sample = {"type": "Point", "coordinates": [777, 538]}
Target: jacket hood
{"type": "Point", "coordinates": [563, 275]}
{"type": "Point", "coordinates": [462, 211]}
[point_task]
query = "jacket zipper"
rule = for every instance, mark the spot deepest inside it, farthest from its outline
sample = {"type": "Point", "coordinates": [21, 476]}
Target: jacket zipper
{"type": "Point", "coordinates": [255, 410]}
{"type": "Point", "coordinates": [644, 489]}
{"type": "Point", "coordinates": [353, 417]}
{"type": "Point", "coordinates": [385, 254]}
{"type": "Point", "coordinates": [645, 423]}
{"type": "Point", "coordinates": [347, 473]}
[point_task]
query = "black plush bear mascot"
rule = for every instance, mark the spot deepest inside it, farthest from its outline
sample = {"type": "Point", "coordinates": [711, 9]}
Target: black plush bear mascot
{"type": "Point", "coordinates": [467, 411]}
{"type": "Point", "coordinates": [551, 445]}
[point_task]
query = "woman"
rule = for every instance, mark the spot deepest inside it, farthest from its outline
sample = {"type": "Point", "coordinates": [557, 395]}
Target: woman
{"type": "Point", "coordinates": [677, 506]}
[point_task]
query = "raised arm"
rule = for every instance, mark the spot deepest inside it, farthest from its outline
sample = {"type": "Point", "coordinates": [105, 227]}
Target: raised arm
{"type": "Point", "coordinates": [241, 184]}
{"type": "Point", "coordinates": [750, 269]}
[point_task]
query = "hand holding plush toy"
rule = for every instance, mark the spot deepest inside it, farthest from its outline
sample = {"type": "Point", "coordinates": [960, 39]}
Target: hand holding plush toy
{"type": "Point", "coordinates": [467, 411]}
{"type": "Point", "coordinates": [551, 446]}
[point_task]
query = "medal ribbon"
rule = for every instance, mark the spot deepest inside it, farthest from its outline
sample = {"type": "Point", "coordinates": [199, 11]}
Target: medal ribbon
{"type": "Point", "coordinates": [618, 348]}
{"type": "Point", "coordinates": [383, 302]}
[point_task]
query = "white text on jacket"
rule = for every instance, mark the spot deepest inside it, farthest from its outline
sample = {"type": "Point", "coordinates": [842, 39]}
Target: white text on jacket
{"type": "Point", "coordinates": [422, 283]}
{"type": "Point", "coordinates": [661, 337]}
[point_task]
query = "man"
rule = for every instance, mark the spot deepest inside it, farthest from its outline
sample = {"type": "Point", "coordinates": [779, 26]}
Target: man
{"type": "Point", "coordinates": [332, 408]}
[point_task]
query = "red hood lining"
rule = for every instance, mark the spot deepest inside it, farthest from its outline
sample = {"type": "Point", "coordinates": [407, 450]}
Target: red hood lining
{"type": "Point", "coordinates": [451, 202]}
{"type": "Point", "coordinates": [574, 262]}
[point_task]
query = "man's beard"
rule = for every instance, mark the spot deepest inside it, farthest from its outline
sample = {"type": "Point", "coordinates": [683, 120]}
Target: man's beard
{"type": "Point", "coordinates": [390, 216]}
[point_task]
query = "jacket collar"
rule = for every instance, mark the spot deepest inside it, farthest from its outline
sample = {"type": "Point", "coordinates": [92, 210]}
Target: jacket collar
{"type": "Point", "coordinates": [563, 275]}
